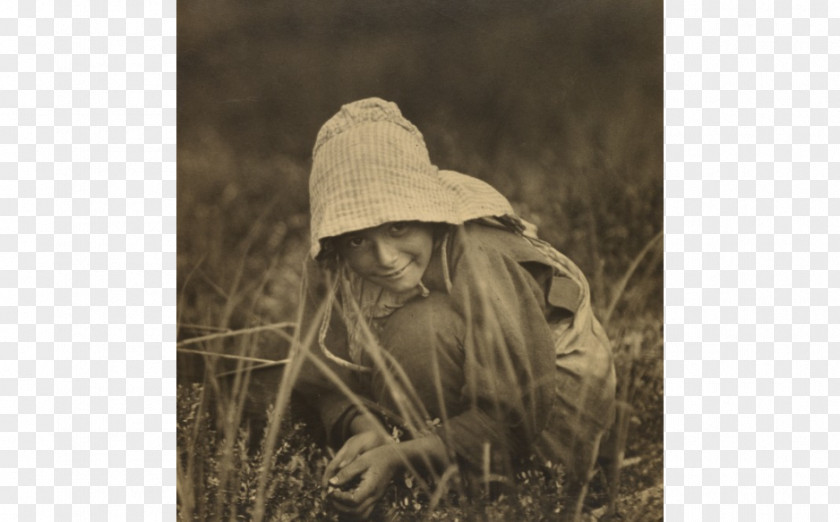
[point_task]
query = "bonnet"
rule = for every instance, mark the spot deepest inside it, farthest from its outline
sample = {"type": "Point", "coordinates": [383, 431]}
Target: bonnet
{"type": "Point", "coordinates": [370, 166]}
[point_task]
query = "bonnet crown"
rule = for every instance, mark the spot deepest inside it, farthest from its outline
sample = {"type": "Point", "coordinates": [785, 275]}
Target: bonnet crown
{"type": "Point", "coordinates": [371, 166]}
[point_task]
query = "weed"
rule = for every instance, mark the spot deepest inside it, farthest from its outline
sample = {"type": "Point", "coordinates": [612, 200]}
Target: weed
{"type": "Point", "coordinates": [560, 109]}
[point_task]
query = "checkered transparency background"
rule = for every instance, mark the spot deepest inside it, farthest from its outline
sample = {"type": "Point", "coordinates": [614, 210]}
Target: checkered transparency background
{"type": "Point", "coordinates": [87, 260]}
{"type": "Point", "coordinates": [752, 191]}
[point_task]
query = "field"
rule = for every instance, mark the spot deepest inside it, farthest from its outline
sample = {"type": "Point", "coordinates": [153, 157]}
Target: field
{"type": "Point", "coordinates": [558, 104]}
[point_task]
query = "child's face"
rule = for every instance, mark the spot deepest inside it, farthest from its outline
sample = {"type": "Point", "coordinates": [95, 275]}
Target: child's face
{"type": "Point", "coordinates": [393, 255]}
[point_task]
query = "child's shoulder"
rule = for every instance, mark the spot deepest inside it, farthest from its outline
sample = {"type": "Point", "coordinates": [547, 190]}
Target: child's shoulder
{"type": "Point", "coordinates": [564, 288]}
{"type": "Point", "coordinates": [496, 239]}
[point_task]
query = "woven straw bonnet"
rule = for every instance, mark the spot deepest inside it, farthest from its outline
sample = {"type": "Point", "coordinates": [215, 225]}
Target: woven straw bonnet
{"type": "Point", "coordinates": [370, 166]}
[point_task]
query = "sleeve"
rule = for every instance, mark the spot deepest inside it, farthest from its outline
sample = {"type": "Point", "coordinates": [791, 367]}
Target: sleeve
{"type": "Point", "coordinates": [312, 385]}
{"type": "Point", "coordinates": [508, 352]}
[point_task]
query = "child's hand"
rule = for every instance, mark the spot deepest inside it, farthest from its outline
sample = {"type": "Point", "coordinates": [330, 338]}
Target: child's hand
{"type": "Point", "coordinates": [355, 446]}
{"type": "Point", "coordinates": [356, 487]}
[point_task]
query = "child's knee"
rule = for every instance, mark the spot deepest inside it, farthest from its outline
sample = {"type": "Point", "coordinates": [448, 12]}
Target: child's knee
{"type": "Point", "coordinates": [422, 338]}
{"type": "Point", "coordinates": [418, 322]}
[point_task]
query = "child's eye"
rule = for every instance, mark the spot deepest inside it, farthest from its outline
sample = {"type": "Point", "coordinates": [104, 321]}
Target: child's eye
{"type": "Point", "coordinates": [398, 227]}
{"type": "Point", "coordinates": [354, 242]}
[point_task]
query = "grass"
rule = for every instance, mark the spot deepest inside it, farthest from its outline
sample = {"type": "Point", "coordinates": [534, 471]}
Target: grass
{"type": "Point", "coordinates": [560, 109]}
{"type": "Point", "coordinates": [291, 476]}
{"type": "Point", "coordinates": [293, 490]}
{"type": "Point", "coordinates": [238, 462]}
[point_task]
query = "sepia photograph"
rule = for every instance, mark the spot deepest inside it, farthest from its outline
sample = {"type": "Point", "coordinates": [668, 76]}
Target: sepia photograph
{"type": "Point", "coordinates": [420, 260]}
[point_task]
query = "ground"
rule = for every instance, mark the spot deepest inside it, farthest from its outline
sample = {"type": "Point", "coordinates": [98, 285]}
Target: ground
{"type": "Point", "coordinates": [557, 104]}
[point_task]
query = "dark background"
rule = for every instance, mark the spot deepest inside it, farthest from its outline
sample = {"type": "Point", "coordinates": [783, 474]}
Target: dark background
{"type": "Point", "coordinates": [558, 104]}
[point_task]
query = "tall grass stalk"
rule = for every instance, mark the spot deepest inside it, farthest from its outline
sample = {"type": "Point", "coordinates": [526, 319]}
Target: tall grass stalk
{"type": "Point", "coordinates": [364, 408]}
{"type": "Point", "coordinates": [409, 411]}
{"type": "Point", "coordinates": [231, 413]}
{"type": "Point", "coordinates": [624, 410]}
{"type": "Point", "coordinates": [281, 401]}
{"type": "Point", "coordinates": [231, 356]}
{"type": "Point", "coordinates": [627, 380]}
{"type": "Point", "coordinates": [622, 284]}
{"type": "Point", "coordinates": [236, 333]}
{"type": "Point", "coordinates": [187, 279]}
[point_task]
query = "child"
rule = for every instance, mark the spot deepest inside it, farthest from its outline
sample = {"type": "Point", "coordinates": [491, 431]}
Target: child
{"type": "Point", "coordinates": [442, 312]}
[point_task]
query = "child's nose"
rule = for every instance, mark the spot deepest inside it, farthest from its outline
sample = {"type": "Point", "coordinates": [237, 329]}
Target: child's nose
{"type": "Point", "coordinates": [386, 253]}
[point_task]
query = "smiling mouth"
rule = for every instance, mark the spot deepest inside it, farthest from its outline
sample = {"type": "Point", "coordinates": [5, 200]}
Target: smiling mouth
{"type": "Point", "coordinates": [395, 274]}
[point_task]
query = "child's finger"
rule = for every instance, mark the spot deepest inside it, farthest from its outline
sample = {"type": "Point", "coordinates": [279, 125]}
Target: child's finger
{"type": "Point", "coordinates": [359, 500]}
{"type": "Point", "coordinates": [334, 465]}
{"type": "Point", "coordinates": [347, 473]}
{"type": "Point", "coordinates": [348, 500]}
{"type": "Point", "coordinates": [348, 452]}
{"type": "Point", "coordinates": [344, 456]}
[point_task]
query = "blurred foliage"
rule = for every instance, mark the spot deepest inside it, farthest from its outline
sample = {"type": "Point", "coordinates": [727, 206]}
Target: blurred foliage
{"type": "Point", "coordinates": [556, 103]}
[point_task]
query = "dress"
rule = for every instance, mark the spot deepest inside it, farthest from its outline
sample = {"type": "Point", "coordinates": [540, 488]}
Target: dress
{"type": "Point", "coordinates": [488, 352]}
